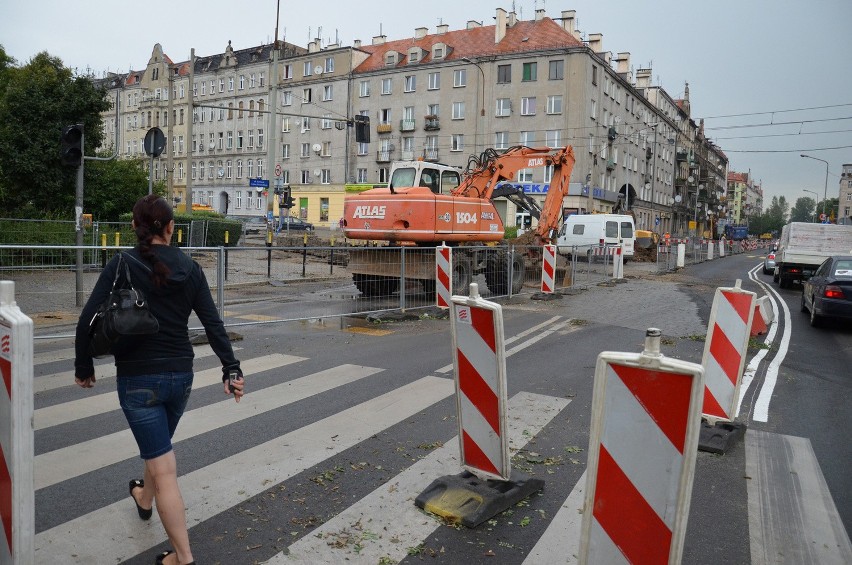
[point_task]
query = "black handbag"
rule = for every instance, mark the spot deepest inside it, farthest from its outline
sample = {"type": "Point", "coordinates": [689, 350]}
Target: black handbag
{"type": "Point", "coordinates": [123, 315]}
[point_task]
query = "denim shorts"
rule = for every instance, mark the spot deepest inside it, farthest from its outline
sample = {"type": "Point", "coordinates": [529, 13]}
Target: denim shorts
{"type": "Point", "coordinates": [153, 405]}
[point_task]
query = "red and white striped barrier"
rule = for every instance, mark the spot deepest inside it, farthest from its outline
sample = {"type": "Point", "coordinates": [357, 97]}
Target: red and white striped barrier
{"type": "Point", "coordinates": [443, 275]}
{"type": "Point", "coordinates": [607, 250]}
{"type": "Point", "coordinates": [17, 498]}
{"type": "Point", "coordinates": [725, 350]}
{"type": "Point", "coordinates": [548, 269]}
{"type": "Point", "coordinates": [646, 411]}
{"type": "Point", "coordinates": [480, 374]}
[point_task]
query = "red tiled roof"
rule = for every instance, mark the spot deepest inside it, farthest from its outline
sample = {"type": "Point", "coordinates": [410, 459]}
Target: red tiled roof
{"type": "Point", "coordinates": [738, 177]}
{"type": "Point", "coordinates": [476, 42]}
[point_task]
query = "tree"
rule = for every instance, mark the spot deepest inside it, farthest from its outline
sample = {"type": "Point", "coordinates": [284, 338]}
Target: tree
{"type": "Point", "coordinates": [113, 187]}
{"type": "Point", "coordinates": [36, 101]}
{"type": "Point", "coordinates": [803, 211]}
{"type": "Point", "coordinates": [776, 215]}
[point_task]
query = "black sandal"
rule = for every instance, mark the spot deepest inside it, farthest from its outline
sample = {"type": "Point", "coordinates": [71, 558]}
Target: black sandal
{"type": "Point", "coordinates": [144, 513]}
{"type": "Point", "coordinates": [163, 555]}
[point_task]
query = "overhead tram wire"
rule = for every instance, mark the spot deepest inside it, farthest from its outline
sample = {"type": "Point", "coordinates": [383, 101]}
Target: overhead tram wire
{"type": "Point", "coordinates": [774, 112]}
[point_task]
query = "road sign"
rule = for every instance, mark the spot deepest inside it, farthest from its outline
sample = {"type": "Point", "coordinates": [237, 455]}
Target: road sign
{"type": "Point", "coordinates": [278, 170]}
{"type": "Point", "coordinates": [259, 183]}
{"type": "Point", "coordinates": [155, 142]}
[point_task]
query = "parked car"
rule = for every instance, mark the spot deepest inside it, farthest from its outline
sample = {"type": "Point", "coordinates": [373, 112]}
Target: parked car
{"type": "Point", "coordinates": [294, 224]}
{"type": "Point", "coordinates": [828, 293]}
{"type": "Point", "coordinates": [769, 262]}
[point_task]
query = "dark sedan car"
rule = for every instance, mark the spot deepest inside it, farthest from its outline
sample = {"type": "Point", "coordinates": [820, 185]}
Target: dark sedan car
{"type": "Point", "coordinates": [828, 293]}
{"type": "Point", "coordinates": [294, 224]}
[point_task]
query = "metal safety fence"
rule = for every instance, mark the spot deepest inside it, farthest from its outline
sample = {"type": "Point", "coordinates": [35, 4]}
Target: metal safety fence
{"type": "Point", "coordinates": [258, 285]}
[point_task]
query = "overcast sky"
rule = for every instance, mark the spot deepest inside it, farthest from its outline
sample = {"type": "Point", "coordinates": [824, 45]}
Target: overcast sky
{"type": "Point", "coordinates": [765, 61]}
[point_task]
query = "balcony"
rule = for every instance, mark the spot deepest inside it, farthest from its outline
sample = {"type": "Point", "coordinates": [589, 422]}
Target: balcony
{"type": "Point", "coordinates": [430, 154]}
{"type": "Point", "coordinates": [432, 123]}
{"type": "Point", "coordinates": [407, 156]}
{"type": "Point", "coordinates": [383, 156]}
{"type": "Point", "coordinates": [406, 125]}
{"type": "Point", "coordinates": [384, 128]}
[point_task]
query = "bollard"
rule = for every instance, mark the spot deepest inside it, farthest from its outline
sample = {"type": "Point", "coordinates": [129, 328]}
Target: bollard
{"type": "Point", "coordinates": [103, 250]}
{"type": "Point", "coordinates": [117, 239]}
{"type": "Point", "coordinates": [304, 253]}
{"type": "Point", "coordinates": [681, 255]}
{"type": "Point", "coordinates": [180, 236]}
{"type": "Point", "coordinates": [331, 260]}
{"type": "Point", "coordinates": [226, 254]}
{"type": "Point", "coordinates": [268, 253]}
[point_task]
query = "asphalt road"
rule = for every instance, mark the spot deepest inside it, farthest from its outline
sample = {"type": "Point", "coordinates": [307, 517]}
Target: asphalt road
{"type": "Point", "coordinates": [345, 420]}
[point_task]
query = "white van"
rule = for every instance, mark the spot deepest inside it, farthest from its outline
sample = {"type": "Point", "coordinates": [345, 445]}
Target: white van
{"type": "Point", "coordinates": [592, 230]}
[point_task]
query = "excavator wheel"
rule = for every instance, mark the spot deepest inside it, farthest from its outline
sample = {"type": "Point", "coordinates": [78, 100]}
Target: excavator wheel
{"type": "Point", "coordinates": [374, 285]}
{"type": "Point", "coordinates": [461, 274]}
{"type": "Point", "coordinates": [497, 273]}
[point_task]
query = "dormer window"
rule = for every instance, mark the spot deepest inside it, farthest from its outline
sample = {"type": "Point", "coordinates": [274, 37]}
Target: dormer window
{"type": "Point", "coordinates": [439, 51]}
{"type": "Point", "coordinates": [414, 55]}
{"type": "Point", "coordinates": [390, 58]}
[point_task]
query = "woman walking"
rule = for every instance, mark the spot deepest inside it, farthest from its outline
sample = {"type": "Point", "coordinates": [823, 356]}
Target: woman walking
{"type": "Point", "coordinates": [154, 372]}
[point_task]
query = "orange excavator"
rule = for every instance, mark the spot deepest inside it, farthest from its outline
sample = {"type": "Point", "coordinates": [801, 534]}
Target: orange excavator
{"type": "Point", "coordinates": [425, 205]}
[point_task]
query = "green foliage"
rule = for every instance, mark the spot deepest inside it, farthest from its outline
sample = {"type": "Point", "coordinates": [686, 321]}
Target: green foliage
{"type": "Point", "coordinates": [113, 187]}
{"type": "Point", "coordinates": [37, 100]}
{"type": "Point", "coordinates": [510, 232]}
{"type": "Point", "coordinates": [217, 225]}
{"type": "Point", "coordinates": [803, 210]}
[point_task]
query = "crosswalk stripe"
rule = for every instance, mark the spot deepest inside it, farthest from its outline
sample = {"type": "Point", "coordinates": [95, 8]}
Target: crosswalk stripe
{"type": "Point", "coordinates": [53, 355]}
{"type": "Point", "coordinates": [106, 402]}
{"type": "Point", "coordinates": [61, 464]}
{"type": "Point", "coordinates": [538, 329]}
{"type": "Point", "coordinates": [560, 542]}
{"type": "Point", "coordinates": [66, 378]}
{"type": "Point", "coordinates": [210, 490]}
{"type": "Point", "coordinates": [390, 510]}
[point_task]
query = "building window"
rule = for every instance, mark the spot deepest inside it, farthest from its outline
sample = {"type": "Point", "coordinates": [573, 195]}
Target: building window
{"type": "Point", "coordinates": [530, 72]}
{"type": "Point", "coordinates": [306, 177]}
{"type": "Point", "coordinates": [260, 167]}
{"type": "Point", "coordinates": [432, 109]}
{"type": "Point", "coordinates": [504, 107]}
{"type": "Point", "coordinates": [260, 138]}
{"type": "Point", "coordinates": [306, 124]}
{"type": "Point", "coordinates": [362, 149]}
{"type": "Point", "coordinates": [594, 75]}
{"type": "Point", "coordinates": [326, 176]}
{"type": "Point", "coordinates": [329, 64]}
{"type": "Point", "coordinates": [251, 139]}
{"type": "Point", "coordinates": [261, 80]}
{"type": "Point", "coordinates": [238, 199]}
{"type": "Point", "coordinates": [459, 78]}
{"type": "Point", "coordinates": [210, 170]}
{"type": "Point", "coordinates": [361, 177]}
{"type": "Point", "coordinates": [288, 72]}
{"type": "Point", "coordinates": [239, 140]}
{"type": "Point", "coordinates": [285, 151]}
{"type": "Point", "coordinates": [410, 83]}
{"type": "Point", "coordinates": [504, 74]}
{"type": "Point", "coordinates": [306, 96]}
{"type": "Point", "coordinates": [242, 82]}
{"type": "Point", "coordinates": [434, 81]}
{"type": "Point", "coordinates": [458, 110]}
{"type": "Point", "coordinates": [594, 109]}
{"type": "Point", "coordinates": [239, 168]}
{"type": "Point", "coordinates": [555, 69]}
{"type": "Point", "coordinates": [551, 138]}
{"type": "Point", "coordinates": [287, 98]}
{"type": "Point", "coordinates": [501, 140]}
{"type": "Point", "coordinates": [193, 169]}
{"type": "Point", "coordinates": [306, 150]}
{"type": "Point", "coordinates": [525, 175]}
{"type": "Point", "coordinates": [285, 124]}
{"type": "Point", "coordinates": [327, 93]}
{"type": "Point", "coordinates": [228, 169]}
{"type": "Point", "coordinates": [554, 104]}
{"type": "Point", "coordinates": [250, 168]}
{"type": "Point", "coordinates": [364, 88]}
{"type": "Point", "coordinates": [457, 142]}
{"type": "Point", "coordinates": [306, 69]}
{"type": "Point", "coordinates": [528, 106]}
{"type": "Point", "coordinates": [326, 149]}
{"type": "Point", "coordinates": [326, 121]}
{"type": "Point", "coordinates": [527, 138]}
{"type": "Point", "coordinates": [386, 86]}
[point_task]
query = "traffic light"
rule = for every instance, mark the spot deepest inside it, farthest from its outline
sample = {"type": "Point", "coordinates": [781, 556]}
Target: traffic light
{"type": "Point", "coordinates": [71, 145]}
{"type": "Point", "coordinates": [362, 129]}
{"type": "Point", "coordinates": [289, 202]}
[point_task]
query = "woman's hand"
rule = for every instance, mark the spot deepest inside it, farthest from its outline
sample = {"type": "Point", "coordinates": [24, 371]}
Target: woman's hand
{"type": "Point", "coordinates": [88, 382]}
{"type": "Point", "coordinates": [238, 385]}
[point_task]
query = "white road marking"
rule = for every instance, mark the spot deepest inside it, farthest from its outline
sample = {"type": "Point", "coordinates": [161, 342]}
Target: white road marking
{"type": "Point", "coordinates": [560, 542]}
{"type": "Point", "coordinates": [389, 510]}
{"type": "Point", "coordinates": [107, 402]}
{"type": "Point", "coordinates": [114, 534]}
{"type": "Point", "coordinates": [72, 461]}
{"type": "Point", "coordinates": [792, 517]}
{"type": "Point", "coordinates": [66, 378]}
{"type": "Point", "coordinates": [516, 337]}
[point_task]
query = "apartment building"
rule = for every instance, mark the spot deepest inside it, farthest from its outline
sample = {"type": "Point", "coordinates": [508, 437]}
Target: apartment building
{"type": "Point", "coordinates": [844, 195]}
{"type": "Point", "coordinates": [444, 96]}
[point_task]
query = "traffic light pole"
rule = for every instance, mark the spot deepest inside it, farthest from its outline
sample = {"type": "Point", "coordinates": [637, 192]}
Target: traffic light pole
{"type": "Point", "coordinates": [78, 221]}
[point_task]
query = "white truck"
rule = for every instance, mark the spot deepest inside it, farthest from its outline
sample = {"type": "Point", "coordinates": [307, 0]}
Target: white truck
{"type": "Point", "coordinates": [804, 246]}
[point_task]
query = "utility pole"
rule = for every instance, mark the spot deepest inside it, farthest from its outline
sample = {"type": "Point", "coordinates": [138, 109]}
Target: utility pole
{"type": "Point", "coordinates": [272, 148]}
{"type": "Point", "coordinates": [189, 133]}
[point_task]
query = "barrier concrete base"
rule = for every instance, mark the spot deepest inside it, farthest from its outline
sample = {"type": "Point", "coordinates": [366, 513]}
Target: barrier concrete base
{"type": "Point", "coordinates": [469, 500]}
{"type": "Point", "coordinates": [546, 296]}
{"type": "Point", "coordinates": [721, 437]}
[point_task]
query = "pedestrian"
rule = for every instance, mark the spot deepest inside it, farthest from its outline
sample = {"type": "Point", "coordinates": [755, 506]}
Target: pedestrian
{"type": "Point", "coordinates": [154, 372]}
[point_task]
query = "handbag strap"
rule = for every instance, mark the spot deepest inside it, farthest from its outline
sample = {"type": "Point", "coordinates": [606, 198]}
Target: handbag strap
{"type": "Point", "coordinates": [140, 301]}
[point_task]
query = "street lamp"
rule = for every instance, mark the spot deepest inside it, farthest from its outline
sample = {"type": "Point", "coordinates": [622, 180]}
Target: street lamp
{"type": "Point", "coordinates": [825, 192]}
{"type": "Point", "coordinates": [813, 216]}
{"type": "Point", "coordinates": [481, 98]}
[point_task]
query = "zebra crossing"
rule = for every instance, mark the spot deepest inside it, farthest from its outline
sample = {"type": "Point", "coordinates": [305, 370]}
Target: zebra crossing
{"type": "Point", "coordinates": [80, 462]}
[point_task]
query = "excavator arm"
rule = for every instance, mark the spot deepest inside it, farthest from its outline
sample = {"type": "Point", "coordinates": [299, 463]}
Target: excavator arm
{"type": "Point", "coordinates": [484, 174]}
